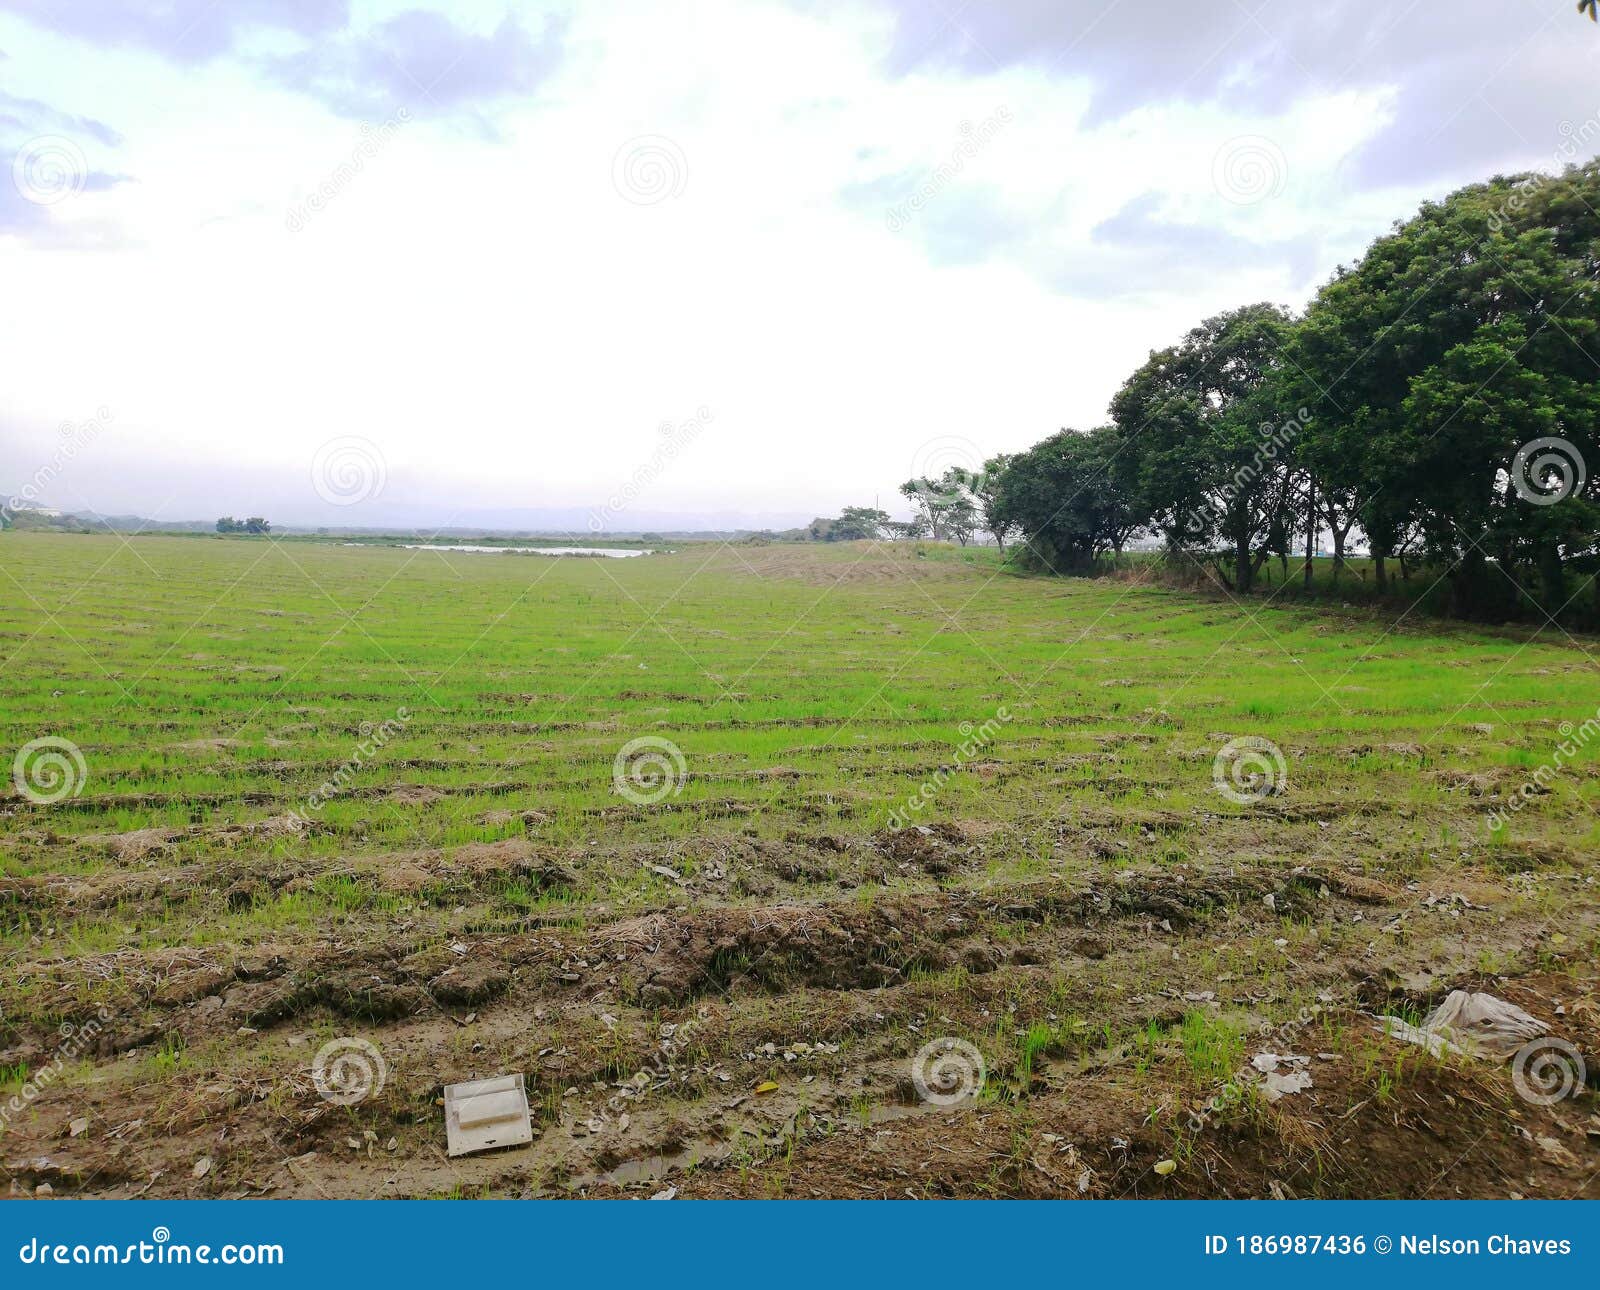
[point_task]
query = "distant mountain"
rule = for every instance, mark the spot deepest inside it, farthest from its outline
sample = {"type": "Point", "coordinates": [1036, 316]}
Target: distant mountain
{"type": "Point", "coordinates": [531, 522]}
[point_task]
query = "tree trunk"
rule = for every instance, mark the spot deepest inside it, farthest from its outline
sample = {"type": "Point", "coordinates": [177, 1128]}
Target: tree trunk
{"type": "Point", "coordinates": [1552, 578]}
{"type": "Point", "coordinates": [1379, 573]}
{"type": "Point", "coordinates": [1243, 567]}
{"type": "Point", "coordinates": [1467, 584]}
{"type": "Point", "coordinates": [1338, 553]}
{"type": "Point", "coordinates": [1311, 526]}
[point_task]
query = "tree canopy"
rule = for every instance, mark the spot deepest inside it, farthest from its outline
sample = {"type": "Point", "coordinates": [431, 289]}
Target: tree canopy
{"type": "Point", "coordinates": [1438, 400]}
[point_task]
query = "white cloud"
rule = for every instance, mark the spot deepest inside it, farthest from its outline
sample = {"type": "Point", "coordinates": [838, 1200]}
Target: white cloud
{"type": "Point", "coordinates": [512, 331]}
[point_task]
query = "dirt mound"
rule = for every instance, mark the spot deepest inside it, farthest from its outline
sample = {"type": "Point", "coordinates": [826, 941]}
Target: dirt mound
{"type": "Point", "coordinates": [135, 845]}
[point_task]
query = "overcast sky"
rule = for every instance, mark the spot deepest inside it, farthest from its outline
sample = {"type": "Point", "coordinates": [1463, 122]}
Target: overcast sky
{"type": "Point", "coordinates": [355, 263]}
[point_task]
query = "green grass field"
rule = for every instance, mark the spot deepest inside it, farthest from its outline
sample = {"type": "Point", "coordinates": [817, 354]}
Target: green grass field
{"type": "Point", "coordinates": [334, 793]}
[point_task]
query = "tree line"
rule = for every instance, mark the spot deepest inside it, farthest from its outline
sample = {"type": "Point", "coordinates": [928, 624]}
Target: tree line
{"type": "Point", "coordinates": [1436, 404]}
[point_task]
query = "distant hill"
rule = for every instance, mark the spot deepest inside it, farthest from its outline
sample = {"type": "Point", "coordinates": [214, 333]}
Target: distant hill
{"type": "Point", "coordinates": [539, 525]}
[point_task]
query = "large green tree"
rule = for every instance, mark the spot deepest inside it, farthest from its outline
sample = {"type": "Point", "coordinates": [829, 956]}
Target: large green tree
{"type": "Point", "coordinates": [858, 522]}
{"type": "Point", "coordinates": [1458, 339]}
{"type": "Point", "coordinates": [1067, 495]}
{"type": "Point", "coordinates": [1208, 445]}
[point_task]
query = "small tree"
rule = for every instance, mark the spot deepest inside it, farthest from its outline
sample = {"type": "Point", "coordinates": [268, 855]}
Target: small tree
{"type": "Point", "coordinates": [856, 523]}
{"type": "Point", "coordinates": [984, 485]}
{"type": "Point", "coordinates": [961, 519]}
{"type": "Point", "coordinates": [945, 504]}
